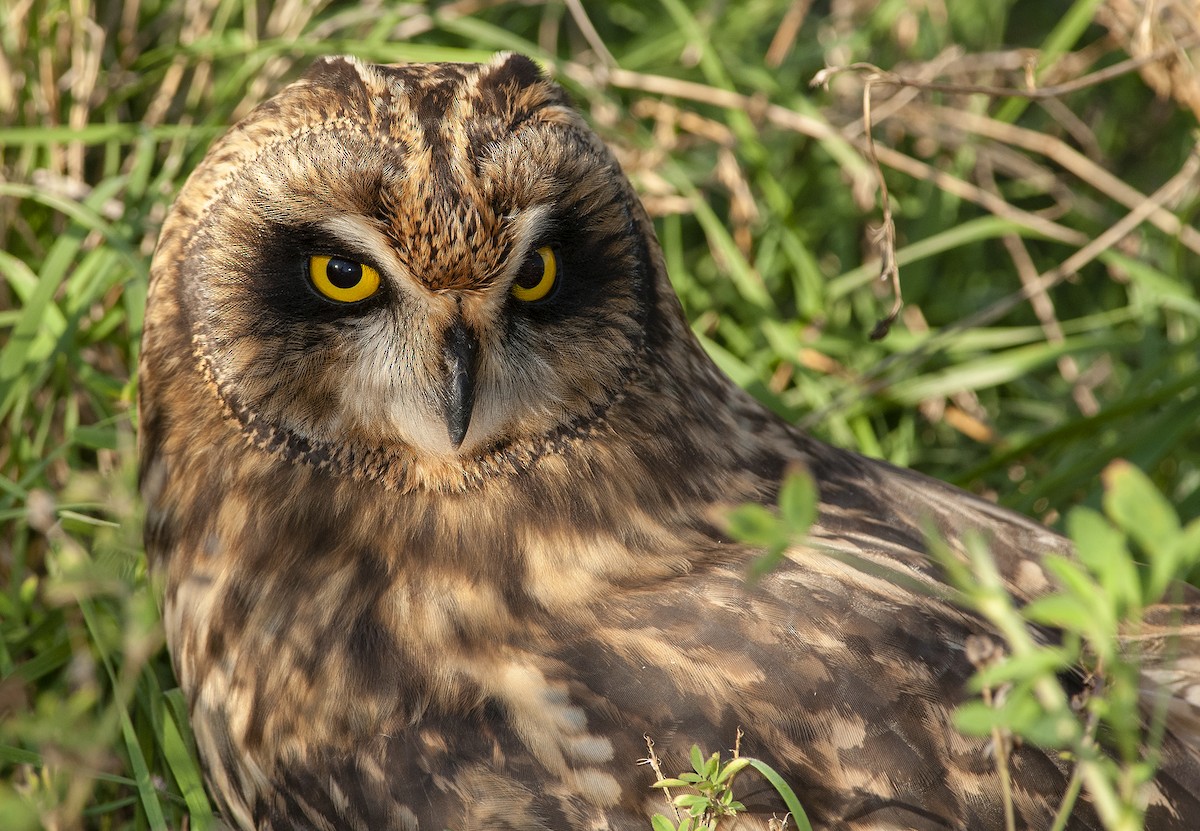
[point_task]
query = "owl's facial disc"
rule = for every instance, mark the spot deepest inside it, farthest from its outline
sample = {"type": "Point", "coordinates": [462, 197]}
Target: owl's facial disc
{"type": "Point", "coordinates": [418, 283]}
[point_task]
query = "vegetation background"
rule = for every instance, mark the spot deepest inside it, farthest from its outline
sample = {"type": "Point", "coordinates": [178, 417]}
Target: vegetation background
{"type": "Point", "coordinates": [1047, 252]}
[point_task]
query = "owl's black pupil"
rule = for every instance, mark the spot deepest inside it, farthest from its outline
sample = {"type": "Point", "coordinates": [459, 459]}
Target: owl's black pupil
{"type": "Point", "coordinates": [343, 273]}
{"type": "Point", "coordinates": [531, 271]}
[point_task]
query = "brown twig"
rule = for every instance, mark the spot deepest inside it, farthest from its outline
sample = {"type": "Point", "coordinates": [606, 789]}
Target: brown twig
{"type": "Point", "coordinates": [1141, 213]}
{"type": "Point", "coordinates": [652, 760]}
{"type": "Point", "coordinates": [973, 193]}
{"type": "Point", "coordinates": [1100, 76]}
{"type": "Point", "coordinates": [1074, 162]}
{"type": "Point", "coordinates": [1043, 308]}
{"type": "Point", "coordinates": [1034, 175]}
{"type": "Point", "coordinates": [1166, 193]}
{"type": "Point", "coordinates": [904, 96]}
{"type": "Point", "coordinates": [885, 237]}
{"type": "Point", "coordinates": [821, 130]}
{"type": "Point", "coordinates": [785, 35]}
{"type": "Point", "coordinates": [872, 380]}
{"type": "Point", "coordinates": [580, 16]}
{"type": "Point", "coordinates": [983, 653]}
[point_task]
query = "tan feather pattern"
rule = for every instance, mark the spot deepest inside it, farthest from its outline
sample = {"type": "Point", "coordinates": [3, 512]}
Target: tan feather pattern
{"type": "Point", "coordinates": [378, 628]}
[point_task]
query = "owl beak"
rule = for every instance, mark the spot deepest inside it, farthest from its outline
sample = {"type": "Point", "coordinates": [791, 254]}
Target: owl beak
{"type": "Point", "coordinates": [458, 352]}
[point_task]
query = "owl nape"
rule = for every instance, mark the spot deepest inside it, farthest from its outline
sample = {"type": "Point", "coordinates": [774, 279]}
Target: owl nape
{"type": "Point", "coordinates": [436, 474]}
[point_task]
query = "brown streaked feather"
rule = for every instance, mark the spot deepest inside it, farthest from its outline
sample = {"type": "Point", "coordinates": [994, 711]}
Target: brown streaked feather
{"type": "Point", "coordinates": [376, 629]}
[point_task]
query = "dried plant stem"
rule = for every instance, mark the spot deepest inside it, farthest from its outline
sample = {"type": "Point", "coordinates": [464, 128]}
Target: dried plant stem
{"type": "Point", "coordinates": [870, 381]}
{"type": "Point", "coordinates": [580, 16]}
{"type": "Point", "coordinates": [1074, 162]}
{"type": "Point", "coordinates": [785, 35]}
{"type": "Point", "coordinates": [885, 237]}
{"type": "Point", "coordinates": [821, 130]}
{"type": "Point", "coordinates": [1164, 195]}
{"type": "Point", "coordinates": [656, 766]}
{"type": "Point", "coordinates": [1043, 307]}
{"type": "Point", "coordinates": [1100, 76]}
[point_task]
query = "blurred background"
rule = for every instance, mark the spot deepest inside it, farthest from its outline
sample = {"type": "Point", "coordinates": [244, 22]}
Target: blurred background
{"type": "Point", "coordinates": [1046, 248]}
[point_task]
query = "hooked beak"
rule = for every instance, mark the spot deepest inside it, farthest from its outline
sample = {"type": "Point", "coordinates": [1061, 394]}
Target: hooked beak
{"type": "Point", "coordinates": [458, 353]}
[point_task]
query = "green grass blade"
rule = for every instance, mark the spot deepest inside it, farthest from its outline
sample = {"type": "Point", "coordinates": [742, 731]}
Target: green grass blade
{"type": "Point", "coordinates": [785, 791]}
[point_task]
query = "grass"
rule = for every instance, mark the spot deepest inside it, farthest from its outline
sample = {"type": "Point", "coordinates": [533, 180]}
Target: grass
{"type": "Point", "coordinates": [766, 205]}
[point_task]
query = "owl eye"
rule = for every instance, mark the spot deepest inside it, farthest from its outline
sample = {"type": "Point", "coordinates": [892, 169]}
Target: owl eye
{"type": "Point", "coordinates": [538, 276]}
{"type": "Point", "coordinates": [343, 281]}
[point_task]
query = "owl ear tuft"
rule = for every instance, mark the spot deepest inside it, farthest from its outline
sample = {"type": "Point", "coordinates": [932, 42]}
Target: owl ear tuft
{"type": "Point", "coordinates": [517, 85]}
{"type": "Point", "coordinates": [341, 74]}
{"type": "Point", "coordinates": [513, 67]}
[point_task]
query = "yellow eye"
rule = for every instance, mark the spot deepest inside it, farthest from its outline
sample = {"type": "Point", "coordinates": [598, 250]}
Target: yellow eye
{"type": "Point", "coordinates": [538, 276]}
{"type": "Point", "coordinates": [342, 280]}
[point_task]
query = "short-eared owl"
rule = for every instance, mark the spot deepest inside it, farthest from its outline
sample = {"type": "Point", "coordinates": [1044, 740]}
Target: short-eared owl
{"type": "Point", "coordinates": [436, 477]}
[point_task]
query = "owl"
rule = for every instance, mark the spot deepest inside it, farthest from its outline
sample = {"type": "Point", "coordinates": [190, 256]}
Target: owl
{"type": "Point", "coordinates": [436, 479]}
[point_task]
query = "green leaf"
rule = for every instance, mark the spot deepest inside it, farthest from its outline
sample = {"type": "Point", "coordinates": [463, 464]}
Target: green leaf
{"type": "Point", "coordinates": [51, 658]}
{"type": "Point", "coordinates": [695, 803]}
{"type": "Point", "coordinates": [732, 769]}
{"type": "Point", "coordinates": [976, 718]}
{"type": "Point", "coordinates": [798, 502]}
{"type": "Point", "coordinates": [748, 282]}
{"type": "Point", "coordinates": [1053, 730]}
{"type": "Point", "coordinates": [1187, 551]}
{"type": "Point", "coordinates": [10, 755]}
{"type": "Point", "coordinates": [1104, 550]}
{"type": "Point", "coordinates": [100, 438]}
{"type": "Point", "coordinates": [148, 794]}
{"type": "Point", "coordinates": [660, 823]}
{"type": "Point", "coordinates": [1040, 663]}
{"type": "Point", "coordinates": [785, 792]}
{"type": "Point", "coordinates": [176, 744]}
{"type": "Point", "coordinates": [756, 525]}
{"type": "Point", "coordinates": [987, 371]}
{"type": "Point", "coordinates": [1018, 714]}
{"type": "Point", "coordinates": [1100, 621]}
{"type": "Point", "coordinates": [1060, 610]}
{"type": "Point", "coordinates": [1136, 506]}
{"type": "Point", "coordinates": [765, 564]}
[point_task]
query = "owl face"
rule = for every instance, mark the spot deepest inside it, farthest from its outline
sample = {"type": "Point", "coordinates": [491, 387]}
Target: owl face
{"type": "Point", "coordinates": [443, 258]}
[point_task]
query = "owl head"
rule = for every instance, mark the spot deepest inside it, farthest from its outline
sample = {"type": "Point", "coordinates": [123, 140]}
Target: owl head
{"type": "Point", "coordinates": [435, 259]}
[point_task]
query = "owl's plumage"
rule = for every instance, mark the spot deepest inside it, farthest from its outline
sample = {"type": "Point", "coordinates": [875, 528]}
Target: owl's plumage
{"type": "Point", "coordinates": [441, 557]}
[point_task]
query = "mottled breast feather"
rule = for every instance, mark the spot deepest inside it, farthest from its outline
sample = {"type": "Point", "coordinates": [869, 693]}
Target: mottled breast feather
{"type": "Point", "coordinates": [443, 557]}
